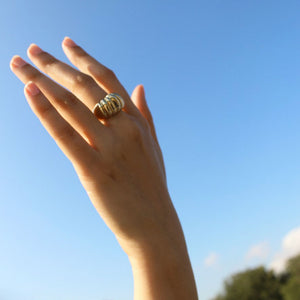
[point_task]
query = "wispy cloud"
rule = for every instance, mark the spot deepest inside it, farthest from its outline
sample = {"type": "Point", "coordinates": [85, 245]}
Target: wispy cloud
{"type": "Point", "coordinates": [211, 259]}
{"type": "Point", "coordinates": [259, 251]}
{"type": "Point", "coordinates": [290, 247]}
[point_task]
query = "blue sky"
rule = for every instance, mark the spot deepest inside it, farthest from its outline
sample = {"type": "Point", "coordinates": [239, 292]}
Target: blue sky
{"type": "Point", "coordinates": [222, 81]}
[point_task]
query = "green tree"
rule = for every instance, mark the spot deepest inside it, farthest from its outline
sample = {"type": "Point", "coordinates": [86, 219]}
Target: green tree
{"type": "Point", "coordinates": [291, 289]}
{"type": "Point", "coordinates": [253, 284]}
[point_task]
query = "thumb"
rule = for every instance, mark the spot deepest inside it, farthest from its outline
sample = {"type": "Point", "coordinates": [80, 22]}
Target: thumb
{"type": "Point", "coordinates": [139, 99]}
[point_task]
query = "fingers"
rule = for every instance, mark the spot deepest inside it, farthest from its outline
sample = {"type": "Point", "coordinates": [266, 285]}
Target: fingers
{"type": "Point", "coordinates": [102, 75]}
{"type": "Point", "coordinates": [70, 142]}
{"type": "Point", "coordinates": [139, 99]}
{"type": "Point", "coordinates": [81, 85]}
{"type": "Point", "coordinates": [72, 109]}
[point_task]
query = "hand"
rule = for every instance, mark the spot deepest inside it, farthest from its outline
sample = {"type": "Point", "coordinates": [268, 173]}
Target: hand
{"type": "Point", "coordinates": [118, 161]}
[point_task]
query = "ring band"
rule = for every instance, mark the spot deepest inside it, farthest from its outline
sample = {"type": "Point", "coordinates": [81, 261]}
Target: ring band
{"type": "Point", "coordinates": [109, 106]}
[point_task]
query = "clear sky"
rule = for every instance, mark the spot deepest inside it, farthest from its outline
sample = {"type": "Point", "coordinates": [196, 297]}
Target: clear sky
{"type": "Point", "coordinates": [222, 80]}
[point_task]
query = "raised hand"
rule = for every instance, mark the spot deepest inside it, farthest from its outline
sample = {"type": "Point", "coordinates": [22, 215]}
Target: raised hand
{"type": "Point", "coordinates": [118, 160]}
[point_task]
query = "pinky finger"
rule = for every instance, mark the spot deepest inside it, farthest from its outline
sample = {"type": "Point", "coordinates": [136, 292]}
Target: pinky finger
{"type": "Point", "coordinates": [67, 138]}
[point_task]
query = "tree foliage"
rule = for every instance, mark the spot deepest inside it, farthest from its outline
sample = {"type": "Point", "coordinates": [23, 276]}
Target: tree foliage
{"type": "Point", "coordinates": [261, 284]}
{"type": "Point", "coordinates": [293, 266]}
{"type": "Point", "coordinates": [291, 290]}
{"type": "Point", "coordinates": [253, 284]}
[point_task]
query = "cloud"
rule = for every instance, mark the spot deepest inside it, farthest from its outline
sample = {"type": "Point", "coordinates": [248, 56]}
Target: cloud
{"type": "Point", "coordinates": [211, 260]}
{"type": "Point", "coordinates": [260, 251]}
{"type": "Point", "coordinates": [290, 247]}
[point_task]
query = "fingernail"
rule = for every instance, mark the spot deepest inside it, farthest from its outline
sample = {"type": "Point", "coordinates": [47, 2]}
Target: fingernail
{"type": "Point", "coordinates": [32, 89]}
{"type": "Point", "coordinates": [69, 43]}
{"type": "Point", "coordinates": [34, 49]}
{"type": "Point", "coordinates": [18, 62]}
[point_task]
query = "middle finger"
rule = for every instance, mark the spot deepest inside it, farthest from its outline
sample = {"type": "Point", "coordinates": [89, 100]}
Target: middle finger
{"type": "Point", "coordinates": [80, 84]}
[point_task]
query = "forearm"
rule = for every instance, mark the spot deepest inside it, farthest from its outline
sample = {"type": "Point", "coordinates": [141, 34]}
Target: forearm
{"type": "Point", "coordinates": [164, 278]}
{"type": "Point", "coordinates": [162, 270]}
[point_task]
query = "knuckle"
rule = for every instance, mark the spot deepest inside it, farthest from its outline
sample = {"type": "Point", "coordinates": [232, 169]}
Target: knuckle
{"type": "Point", "coordinates": [33, 75]}
{"type": "Point", "coordinates": [66, 134]}
{"type": "Point", "coordinates": [109, 73]}
{"type": "Point", "coordinates": [46, 111]}
{"type": "Point", "coordinates": [79, 54]}
{"type": "Point", "coordinates": [66, 100]}
{"type": "Point", "coordinates": [82, 81]}
{"type": "Point", "coordinates": [102, 72]}
{"type": "Point", "coordinates": [48, 60]}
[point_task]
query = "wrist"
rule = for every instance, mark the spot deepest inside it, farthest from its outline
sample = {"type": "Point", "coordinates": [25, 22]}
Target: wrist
{"type": "Point", "coordinates": [158, 240]}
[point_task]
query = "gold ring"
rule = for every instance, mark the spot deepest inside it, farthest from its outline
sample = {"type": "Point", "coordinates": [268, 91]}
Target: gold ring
{"type": "Point", "coordinates": [109, 106]}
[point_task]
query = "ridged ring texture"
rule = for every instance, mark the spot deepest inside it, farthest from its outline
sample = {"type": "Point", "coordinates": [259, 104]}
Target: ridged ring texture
{"type": "Point", "coordinates": [109, 106]}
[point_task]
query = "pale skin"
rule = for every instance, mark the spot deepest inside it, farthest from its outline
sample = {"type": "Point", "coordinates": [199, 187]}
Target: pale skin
{"type": "Point", "coordinates": [118, 161]}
